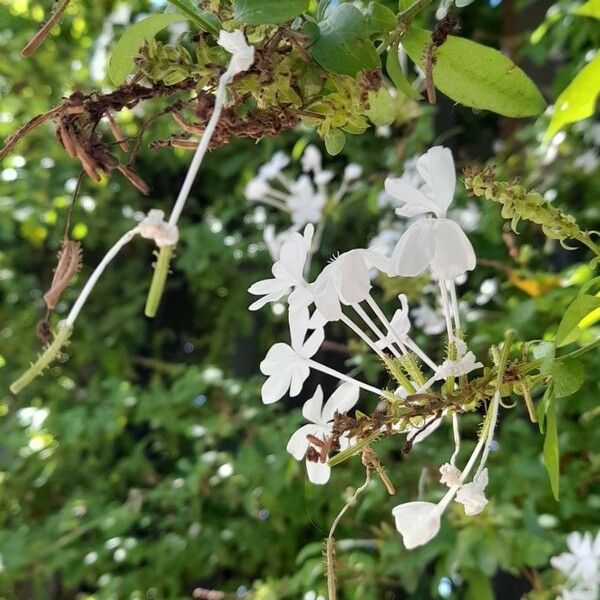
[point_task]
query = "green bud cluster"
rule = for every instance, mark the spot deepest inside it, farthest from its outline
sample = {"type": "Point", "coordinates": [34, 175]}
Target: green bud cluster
{"type": "Point", "coordinates": [519, 203]}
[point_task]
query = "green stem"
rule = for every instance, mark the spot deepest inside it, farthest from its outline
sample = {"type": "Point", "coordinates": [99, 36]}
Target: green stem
{"type": "Point", "coordinates": [583, 237]}
{"type": "Point", "coordinates": [194, 16]}
{"type": "Point", "coordinates": [159, 279]}
{"type": "Point", "coordinates": [408, 14]}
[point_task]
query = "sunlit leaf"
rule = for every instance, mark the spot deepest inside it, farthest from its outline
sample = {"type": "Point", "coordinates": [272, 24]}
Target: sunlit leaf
{"type": "Point", "coordinates": [551, 451]}
{"type": "Point", "coordinates": [257, 12]}
{"type": "Point", "coordinates": [569, 330]}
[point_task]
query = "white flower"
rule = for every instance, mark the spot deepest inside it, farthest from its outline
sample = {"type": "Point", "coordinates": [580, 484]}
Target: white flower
{"type": "Point", "coordinates": [320, 426]}
{"type": "Point", "coordinates": [279, 161]}
{"type": "Point", "coordinates": [286, 367]}
{"type": "Point", "coordinates": [400, 324]}
{"type": "Point", "coordinates": [352, 172]}
{"type": "Point", "coordinates": [305, 203]}
{"type": "Point", "coordinates": [154, 227]}
{"type": "Point", "coordinates": [288, 270]}
{"type": "Point", "coordinates": [417, 522]}
{"type": "Point", "coordinates": [581, 592]}
{"type": "Point", "coordinates": [464, 363]}
{"type": "Point", "coordinates": [583, 561]}
{"type": "Point", "coordinates": [450, 475]}
{"type": "Point", "coordinates": [242, 53]}
{"type": "Point", "coordinates": [385, 241]}
{"type": "Point", "coordinates": [472, 496]}
{"type": "Point", "coordinates": [346, 280]}
{"type": "Point", "coordinates": [436, 168]}
{"type": "Point", "coordinates": [438, 244]}
{"type": "Point", "coordinates": [431, 321]}
{"type": "Point", "coordinates": [256, 189]}
{"type": "Point", "coordinates": [311, 159]}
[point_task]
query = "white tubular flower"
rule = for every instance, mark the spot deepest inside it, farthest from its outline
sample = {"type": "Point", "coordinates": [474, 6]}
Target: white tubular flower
{"type": "Point", "coordinates": [154, 227]}
{"type": "Point", "coordinates": [417, 522]}
{"type": "Point", "coordinates": [450, 475]}
{"type": "Point", "coordinates": [400, 324]}
{"type": "Point", "coordinates": [472, 495]}
{"type": "Point", "coordinates": [274, 241]}
{"type": "Point", "coordinates": [270, 170]}
{"type": "Point", "coordinates": [583, 561]}
{"type": "Point", "coordinates": [286, 367]}
{"type": "Point", "coordinates": [346, 281]}
{"type": "Point", "coordinates": [288, 270]}
{"type": "Point", "coordinates": [304, 202]}
{"type": "Point", "coordinates": [242, 53]}
{"type": "Point", "coordinates": [438, 244]}
{"type": "Point", "coordinates": [311, 159]}
{"type": "Point", "coordinates": [320, 426]}
{"type": "Point", "coordinates": [256, 189]}
{"type": "Point", "coordinates": [352, 172]}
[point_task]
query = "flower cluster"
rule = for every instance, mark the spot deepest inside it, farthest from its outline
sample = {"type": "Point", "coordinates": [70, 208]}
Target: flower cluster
{"type": "Point", "coordinates": [342, 292]}
{"type": "Point", "coordinates": [306, 199]}
{"type": "Point", "coordinates": [580, 566]}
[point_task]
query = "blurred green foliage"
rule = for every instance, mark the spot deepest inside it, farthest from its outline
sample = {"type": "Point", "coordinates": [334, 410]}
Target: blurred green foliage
{"type": "Point", "coordinates": [144, 465]}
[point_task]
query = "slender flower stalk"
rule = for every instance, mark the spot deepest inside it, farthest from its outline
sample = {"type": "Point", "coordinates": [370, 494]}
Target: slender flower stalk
{"type": "Point", "coordinates": [317, 366]}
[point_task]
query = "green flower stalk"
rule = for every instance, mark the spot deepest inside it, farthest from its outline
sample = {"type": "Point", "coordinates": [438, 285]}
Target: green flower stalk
{"type": "Point", "coordinates": [520, 204]}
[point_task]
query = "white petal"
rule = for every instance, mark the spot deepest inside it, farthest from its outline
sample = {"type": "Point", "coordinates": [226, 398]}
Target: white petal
{"type": "Point", "coordinates": [342, 400]}
{"type": "Point", "coordinates": [318, 473]}
{"type": "Point", "coordinates": [378, 260]}
{"type": "Point", "coordinates": [300, 374]}
{"type": "Point", "coordinates": [311, 410]}
{"type": "Point", "coordinates": [453, 253]}
{"type": "Point", "coordinates": [278, 356]}
{"type": "Point", "coordinates": [298, 318]}
{"type": "Point", "coordinates": [351, 278]}
{"type": "Point", "coordinates": [298, 444]}
{"type": "Point", "coordinates": [313, 343]}
{"type": "Point", "coordinates": [436, 167]}
{"type": "Point", "coordinates": [417, 522]}
{"type": "Point", "coordinates": [326, 299]}
{"type": "Point", "coordinates": [308, 233]}
{"type": "Point", "coordinates": [414, 251]}
{"type": "Point", "coordinates": [275, 387]}
{"type": "Point", "coordinates": [415, 202]}
{"type": "Point", "coordinates": [425, 433]}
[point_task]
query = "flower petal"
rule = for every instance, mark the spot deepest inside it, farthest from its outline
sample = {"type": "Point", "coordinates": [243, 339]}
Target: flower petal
{"type": "Point", "coordinates": [311, 410]}
{"type": "Point", "coordinates": [318, 473]}
{"type": "Point", "coordinates": [313, 343]}
{"type": "Point", "coordinates": [342, 400]}
{"type": "Point", "coordinates": [437, 169]}
{"type": "Point", "coordinates": [414, 251]}
{"type": "Point", "coordinates": [351, 278]}
{"type": "Point", "coordinates": [453, 253]}
{"type": "Point", "coordinates": [415, 202]}
{"type": "Point", "coordinates": [417, 522]}
{"type": "Point", "coordinates": [275, 387]}
{"type": "Point", "coordinates": [300, 374]}
{"type": "Point", "coordinates": [298, 443]}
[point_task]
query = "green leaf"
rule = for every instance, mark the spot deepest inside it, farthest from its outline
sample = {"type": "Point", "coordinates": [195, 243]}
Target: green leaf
{"type": "Point", "coordinates": [476, 76]}
{"type": "Point", "coordinates": [202, 19]}
{"type": "Point", "coordinates": [542, 408]}
{"type": "Point", "coordinates": [380, 18]}
{"type": "Point", "coordinates": [120, 64]}
{"type": "Point", "coordinates": [396, 74]}
{"type": "Point", "coordinates": [545, 352]}
{"type": "Point", "coordinates": [382, 107]}
{"type": "Point", "coordinates": [551, 452]}
{"type": "Point", "coordinates": [268, 12]}
{"type": "Point", "coordinates": [568, 330]}
{"type": "Point", "coordinates": [590, 9]}
{"type": "Point", "coordinates": [578, 99]}
{"type": "Point", "coordinates": [335, 141]}
{"type": "Point", "coordinates": [568, 376]}
{"type": "Point", "coordinates": [343, 45]}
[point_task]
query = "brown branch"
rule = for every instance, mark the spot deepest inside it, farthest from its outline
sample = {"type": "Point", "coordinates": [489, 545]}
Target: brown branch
{"type": "Point", "coordinates": [55, 16]}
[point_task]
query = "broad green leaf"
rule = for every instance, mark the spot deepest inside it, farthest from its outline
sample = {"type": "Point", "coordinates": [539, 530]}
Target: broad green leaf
{"type": "Point", "coordinates": [120, 64]}
{"type": "Point", "coordinates": [476, 76]}
{"type": "Point", "coordinates": [542, 407]}
{"type": "Point", "coordinates": [545, 352]}
{"type": "Point", "coordinates": [551, 453]}
{"type": "Point", "coordinates": [380, 18]}
{"type": "Point", "coordinates": [343, 44]}
{"type": "Point", "coordinates": [202, 19]}
{"type": "Point", "coordinates": [568, 330]}
{"type": "Point", "coordinates": [578, 99]}
{"type": "Point", "coordinates": [382, 107]}
{"type": "Point", "coordinates": [396, 74]}
{"type": "Point", "coordinates": [335, 141]}
{"type": "Point", "coordinates": [568, 376]}
{"type": "Point", "coordinates": [590, 9]}
{"type": "Point", "coordinates": [268, 12]}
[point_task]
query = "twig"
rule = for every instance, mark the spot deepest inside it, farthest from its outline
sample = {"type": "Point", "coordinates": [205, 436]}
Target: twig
{"type": "Point", "coordinates": [37, 40]}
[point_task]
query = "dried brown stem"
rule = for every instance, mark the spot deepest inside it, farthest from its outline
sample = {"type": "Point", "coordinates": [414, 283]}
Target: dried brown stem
{"type": "Point", "coordinates": [38, 39]}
